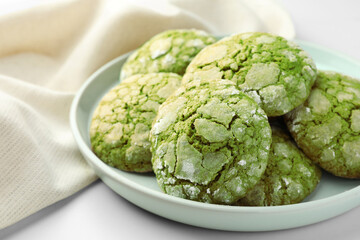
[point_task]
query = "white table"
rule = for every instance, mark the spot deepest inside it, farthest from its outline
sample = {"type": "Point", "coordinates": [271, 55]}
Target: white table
{"type": "Point", "coordinates": [98, 213]}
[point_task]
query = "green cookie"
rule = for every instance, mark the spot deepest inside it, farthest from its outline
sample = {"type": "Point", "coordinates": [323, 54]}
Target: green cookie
{"type": "Point", "coordinates": [210, 142]}
{"type": "Point", "coordinates": [120, 126]}
{"type": "Point", "coordinates": [275, 72]}
{"type": "Point", "coordinates": [289, 177]}
{"type": "Point", "coordinates": [169, 51]}
{"type": "Point", "coordinates": [327, 126]}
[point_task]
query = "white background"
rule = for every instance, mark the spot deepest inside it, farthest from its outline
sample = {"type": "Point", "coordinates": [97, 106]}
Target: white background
{"type": "Point", "coordinates": [98, 213]}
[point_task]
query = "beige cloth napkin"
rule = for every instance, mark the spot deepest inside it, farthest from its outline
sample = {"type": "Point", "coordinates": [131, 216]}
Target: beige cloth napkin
{"type": "Point", "coordinates": [47, 51]}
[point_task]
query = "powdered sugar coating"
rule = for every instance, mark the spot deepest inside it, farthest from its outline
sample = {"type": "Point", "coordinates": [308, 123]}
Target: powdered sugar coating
{"type": "Point", "coordinates": [169, 51]}
{"type": "Point", "coordinates": [119, 131]}
{"type": "Point", "coordinates": [199, 137]}
{"type": "Point", "coordinates": [273, 70]}
{"type": "Point", "coordinates": [326, 126]}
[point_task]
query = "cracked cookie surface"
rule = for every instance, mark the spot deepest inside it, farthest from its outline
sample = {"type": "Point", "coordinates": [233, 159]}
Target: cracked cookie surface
{"type": "Point", "coordinates": [210, 142]}
{"type": "Point", "coordinates": [327, 126]}
{"type": "Point", "coordinates": [119, 130]}
{"type": "Point", "coordinates": [169, 51]}
{"type": "Point", "coordinates": [289, 178]}
{"type": "Point", "coordinates": [275, 72]}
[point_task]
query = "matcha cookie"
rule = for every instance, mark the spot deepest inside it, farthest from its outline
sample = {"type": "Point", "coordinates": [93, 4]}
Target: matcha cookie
{"type": "Point", "coordinates": [119, 130]}
{"type": "Point", "coordinates": [169, 51]}
{"type": "Point", "coordinates": [210, 142]}
{"type": "Point", "coordinates": [275, 72]}
{"type": "Point", "coordinates": [289, 177]}
{"type": "Point", "coordinates": [327, 126]}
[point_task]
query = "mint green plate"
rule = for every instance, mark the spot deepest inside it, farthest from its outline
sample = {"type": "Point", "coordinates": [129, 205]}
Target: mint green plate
{"type": "Point", "coordinates": [332, 197]}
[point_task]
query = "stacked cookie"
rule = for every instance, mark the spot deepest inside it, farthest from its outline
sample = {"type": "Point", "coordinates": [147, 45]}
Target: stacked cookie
{"type": "Point", "coordinates": [213, 135]}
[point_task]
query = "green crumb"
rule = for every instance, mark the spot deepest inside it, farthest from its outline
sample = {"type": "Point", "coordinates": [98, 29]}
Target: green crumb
{"type": "Point", "coordinates": [275, 72]}
{"type": "Point", "coordinates": [169, 51]}
{"type": "Point", "coordinates": [210, 142]}
{"type": "Point", "coordinates": [289, 177]}
{"type": "Point", "coordinates": [120, 126]}
{"type": "Point", "coordinates": [327, 126]}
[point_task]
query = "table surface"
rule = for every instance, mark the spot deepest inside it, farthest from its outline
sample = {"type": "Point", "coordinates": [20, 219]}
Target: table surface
{"type": "Point", "coordinates": [97, 212]}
